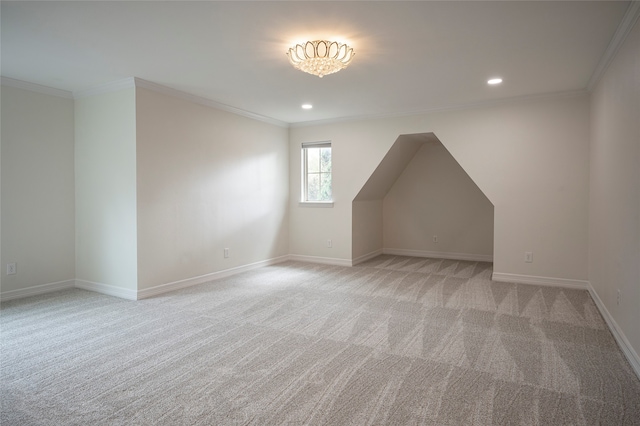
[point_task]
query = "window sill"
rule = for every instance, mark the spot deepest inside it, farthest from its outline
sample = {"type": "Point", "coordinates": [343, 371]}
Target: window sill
{"type": "Point", "coordinates": [321, 204]}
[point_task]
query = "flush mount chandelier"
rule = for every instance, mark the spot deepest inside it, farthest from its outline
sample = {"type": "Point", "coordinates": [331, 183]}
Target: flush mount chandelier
{"type": "Point", "coordinates": [320, 57]}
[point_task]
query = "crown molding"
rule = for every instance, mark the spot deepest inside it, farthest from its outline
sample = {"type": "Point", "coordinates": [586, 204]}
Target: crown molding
{"type": "Point", "coordinates": [114, 86]}
{"type": "Point", "coordinates": [33, 87]}
{"type": "Point", "coordinates": [626, 25]}
{"type": "Point", "coordinates": [459, 107]}
{"type": "Point", "coordinates": [206, 102]}
{"type": "Point", "coordinates": [133, 82]}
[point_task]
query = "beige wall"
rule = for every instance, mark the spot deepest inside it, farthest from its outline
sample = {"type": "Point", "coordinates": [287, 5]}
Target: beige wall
{"type": "Point", "coordinates": [614, 208]}
{"type": "Point", "coordinates": [105, 183]}
{"type": "Point", "coordinates": [530, 158]}
{"type": "Point", "coordinates": [207, 180]}
{"type": "Point", "coordinates": [435, 197]}
{"type": "Point", "coordinates": [37, 188]}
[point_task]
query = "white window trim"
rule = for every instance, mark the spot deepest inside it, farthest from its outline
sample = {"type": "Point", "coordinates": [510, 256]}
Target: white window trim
{"type": "Point", "coordinates": [303, 158]}
{"type": "Point", "coordinates": [324, 204]}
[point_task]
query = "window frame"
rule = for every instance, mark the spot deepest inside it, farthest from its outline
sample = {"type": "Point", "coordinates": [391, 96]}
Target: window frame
{"type": "Point", "coordinates": [305, 202]}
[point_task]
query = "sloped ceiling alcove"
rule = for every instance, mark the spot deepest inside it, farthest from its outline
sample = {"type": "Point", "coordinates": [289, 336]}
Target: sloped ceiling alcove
{"type": "Point", "coordinates": [419, 201]}
{"type": "Point", "coordinates": [392, 165]}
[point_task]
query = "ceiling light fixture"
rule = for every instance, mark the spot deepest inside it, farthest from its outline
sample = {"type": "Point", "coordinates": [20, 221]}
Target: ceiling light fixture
{"type": "Point", "coordinates": [307, 106]}
{"type": "Point", "coordinates": [494, 81]}
{"type": "Point", "coordinates": [320, 57]}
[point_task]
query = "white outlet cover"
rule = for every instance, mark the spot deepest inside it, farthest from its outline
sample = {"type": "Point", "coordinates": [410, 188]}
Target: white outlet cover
{"type": "Point", "coordinates": [12, 269]}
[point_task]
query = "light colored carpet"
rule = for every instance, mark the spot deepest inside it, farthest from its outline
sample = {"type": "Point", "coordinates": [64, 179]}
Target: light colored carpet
{"type": "Point", "coordinates": [395, 341]}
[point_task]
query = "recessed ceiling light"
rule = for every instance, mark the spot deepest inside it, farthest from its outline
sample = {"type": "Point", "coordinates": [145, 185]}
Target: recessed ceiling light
{"type": "Point", "coordinates": [307, 106]}
{"type": "Point", "coordinates": [495, 81]}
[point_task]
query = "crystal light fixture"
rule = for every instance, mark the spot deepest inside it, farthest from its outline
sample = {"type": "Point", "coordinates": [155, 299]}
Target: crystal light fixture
{"type": "Point", "coordinates": [320, 57]}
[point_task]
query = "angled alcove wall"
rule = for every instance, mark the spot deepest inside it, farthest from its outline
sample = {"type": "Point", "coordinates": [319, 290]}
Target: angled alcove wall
{"type": "Point", "coordinates": [419, 191]}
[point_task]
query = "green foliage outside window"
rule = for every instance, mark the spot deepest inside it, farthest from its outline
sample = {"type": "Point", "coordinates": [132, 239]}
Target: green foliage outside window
{"type": "Point", "coordinates": [318, 173]}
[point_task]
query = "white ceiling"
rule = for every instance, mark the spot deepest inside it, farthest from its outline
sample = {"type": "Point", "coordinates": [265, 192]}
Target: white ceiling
{"type": "Point", "coordinates": [410, 56]}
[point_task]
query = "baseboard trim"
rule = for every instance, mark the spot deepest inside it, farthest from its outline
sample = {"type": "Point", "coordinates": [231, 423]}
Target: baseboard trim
{"type": "Point", "coordinates": [107, 289]}
{"type": "Point", "coordinates": [439, 255]}
{"type": "Point", "coordinates": [321, 260]}
{"type": "Point", "coordinates": [36, 289]}
{"type": "Point", "coordinates": [621, 338]}
{"type": "Point", "coordinates": [545, 281]}
{"type": "Point", "coordinates": [176, 285]}
{"type": "Point", "coordinates": [366, 257]}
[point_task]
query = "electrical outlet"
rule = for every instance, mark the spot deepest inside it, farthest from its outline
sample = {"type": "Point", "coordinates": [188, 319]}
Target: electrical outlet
{"type": "Point", "coordinates": [329, 243]}
{"type": "Point", "coordinates": [435, 238]}
{"type": "Point", "coordinates": [226, 253]}
{"type": "Point", "coordinates": [528, 256]}
{"type": "Point", "coordinates": [618, 301]}
{"type": "Point", "coordinates": [12, 268]}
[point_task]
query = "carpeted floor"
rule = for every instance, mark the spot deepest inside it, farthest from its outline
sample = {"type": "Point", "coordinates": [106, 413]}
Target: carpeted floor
{"type": "Point", "coordinates": [393, 341]}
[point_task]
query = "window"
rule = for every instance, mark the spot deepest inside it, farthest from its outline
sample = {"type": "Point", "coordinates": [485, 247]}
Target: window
{"type": "Point", "coordinates": [316, 172]}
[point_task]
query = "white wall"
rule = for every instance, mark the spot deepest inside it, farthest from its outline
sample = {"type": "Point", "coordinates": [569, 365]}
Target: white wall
{"type": "Point", "coordinates": [367, 229]}
{"type": "Point", "coordinates": [37, 188]}
{"type": "Point", "coordinates": [367, 232]}
{"type": "Point", "coordinates": [207, 179]}
{"type": "Point", "coordinates": [434, 196]}
{"type": "Point", "coordinates": [530, 158]}
{"type": "Point", "coordinates": [105, 182]}
{"type": "Point", "coordinates": [309, 227]}
{"type": "Point", "coordinates": [614, 207]}
{"type": "Point", "coordinates": [204, 169]}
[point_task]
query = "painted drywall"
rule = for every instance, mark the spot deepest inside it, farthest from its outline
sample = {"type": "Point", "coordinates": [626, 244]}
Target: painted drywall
{"type": "Point", "coordinates": [392, 166]}
{"type": "Point", "coordinates": [367, 229]}
{"type": "Point", "coordinates": [530, 158]}
{"type": "Point", "coordinates": [435, 197]}
{"type": "Point", "coordinates": [207, 180]}
{"type": "Point", "coordinates": [37, 188]}
{"type": "Point", "coordinates": [105, 189]}
{"type": "Point", "coordinates": [367, 224]}
{"type": "Point", "coordinates": [614, 205]}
